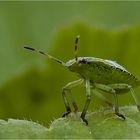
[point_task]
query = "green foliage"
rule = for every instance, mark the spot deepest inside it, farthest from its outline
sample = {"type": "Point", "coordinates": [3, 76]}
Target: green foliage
{"type": "Point", "coordinates": [14, 129]}
{"type": "Point", "coordinates": [103, 124]}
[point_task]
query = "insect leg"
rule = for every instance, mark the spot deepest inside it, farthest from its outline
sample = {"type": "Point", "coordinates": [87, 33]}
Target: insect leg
{"type": "Point", "coordinates": [117, 107]}
{"type": "Point", "coordinates": [135, 98]}
{"type": "Point", "coordinates": [67, 89]}
{"type": "Point", "coordinates": [97, 93]}
{"type": "Point", "coordinates": [126, 86]}
{"type": "Point", "coordinates": [107, 88]}
{"type": "Point", "coordinates": [120, 86]}
{"type": "Point", "coordinates": [88, 95]}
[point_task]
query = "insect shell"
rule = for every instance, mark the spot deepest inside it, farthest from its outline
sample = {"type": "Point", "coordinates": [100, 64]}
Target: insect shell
{"type": "Point", "coordinates": [102, 71]}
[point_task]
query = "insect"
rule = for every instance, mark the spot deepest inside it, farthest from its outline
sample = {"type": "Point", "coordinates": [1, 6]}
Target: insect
{"type": "Point", "coordinates": [98, 75]}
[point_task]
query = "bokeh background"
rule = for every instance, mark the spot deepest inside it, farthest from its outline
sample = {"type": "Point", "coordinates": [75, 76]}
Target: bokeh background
{"type": "Point", "coordinates": [30, 84]}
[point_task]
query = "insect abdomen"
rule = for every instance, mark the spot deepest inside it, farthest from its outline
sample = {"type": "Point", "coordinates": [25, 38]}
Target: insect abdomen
{"type": "Point", "coordinates": [100, 72]}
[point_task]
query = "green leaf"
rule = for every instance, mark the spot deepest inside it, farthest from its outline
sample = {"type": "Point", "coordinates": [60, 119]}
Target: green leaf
{"type": "Point", "coordinates": [102, 124]}
{"type": "Point", "coordinates": [21, 129]}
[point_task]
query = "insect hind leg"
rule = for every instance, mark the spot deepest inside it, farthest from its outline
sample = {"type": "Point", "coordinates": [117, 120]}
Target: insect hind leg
{"type": "Point", "coordinates": [129, 87]}
{"type": "Point", "coordinates": [117, 112]}
{"type": "Point", "coordinates": [135, 98]}
{"type": "Point", "coordinates": [110, 89]}
{"type": "Point", "coordinates": [98, 94]}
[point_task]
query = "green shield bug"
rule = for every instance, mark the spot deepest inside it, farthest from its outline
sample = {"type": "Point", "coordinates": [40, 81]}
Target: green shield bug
{"type": "Point", "coordinates": [98, 75]}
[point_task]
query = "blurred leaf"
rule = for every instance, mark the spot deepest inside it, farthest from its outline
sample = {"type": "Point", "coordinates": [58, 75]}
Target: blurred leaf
{"type": "Point", "coordinates": [103, 124]}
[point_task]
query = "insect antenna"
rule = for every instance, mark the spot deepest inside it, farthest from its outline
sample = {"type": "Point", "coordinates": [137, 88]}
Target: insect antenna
{"type": "Point", "coordinates": [44, 53]}
{"type": "Point", "coordinates": [76, 46]}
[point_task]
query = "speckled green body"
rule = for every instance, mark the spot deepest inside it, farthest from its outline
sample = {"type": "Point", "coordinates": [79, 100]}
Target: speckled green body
{"type": "Point", "coordinates": [102, 71]}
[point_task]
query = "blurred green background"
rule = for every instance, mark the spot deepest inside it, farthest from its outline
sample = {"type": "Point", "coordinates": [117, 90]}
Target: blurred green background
{"type": "Point", "coordinates": [30, 85]}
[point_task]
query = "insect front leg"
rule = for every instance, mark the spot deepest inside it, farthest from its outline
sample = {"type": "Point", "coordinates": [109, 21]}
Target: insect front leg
{"type": "Point", "coordinates": [108, 88]}
{"type": "Point", "coordinates": [126, 86]}
{"type": "Point", "coordinates": [67, 89]}
{"type": "Point", "coordinates": [88, 98]}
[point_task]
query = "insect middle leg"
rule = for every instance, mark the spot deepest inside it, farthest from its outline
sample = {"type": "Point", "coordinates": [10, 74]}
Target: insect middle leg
{"type": "Point", "coordinates": [88, 95]}
{"type": "Point", "coordinates": [67, 89]}
{"type": "Point", "coordinates": [107, 88]}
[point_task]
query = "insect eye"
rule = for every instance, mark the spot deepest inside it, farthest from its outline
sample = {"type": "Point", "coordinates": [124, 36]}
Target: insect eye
{"type": "Point", "coordinates": [82, 61]}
